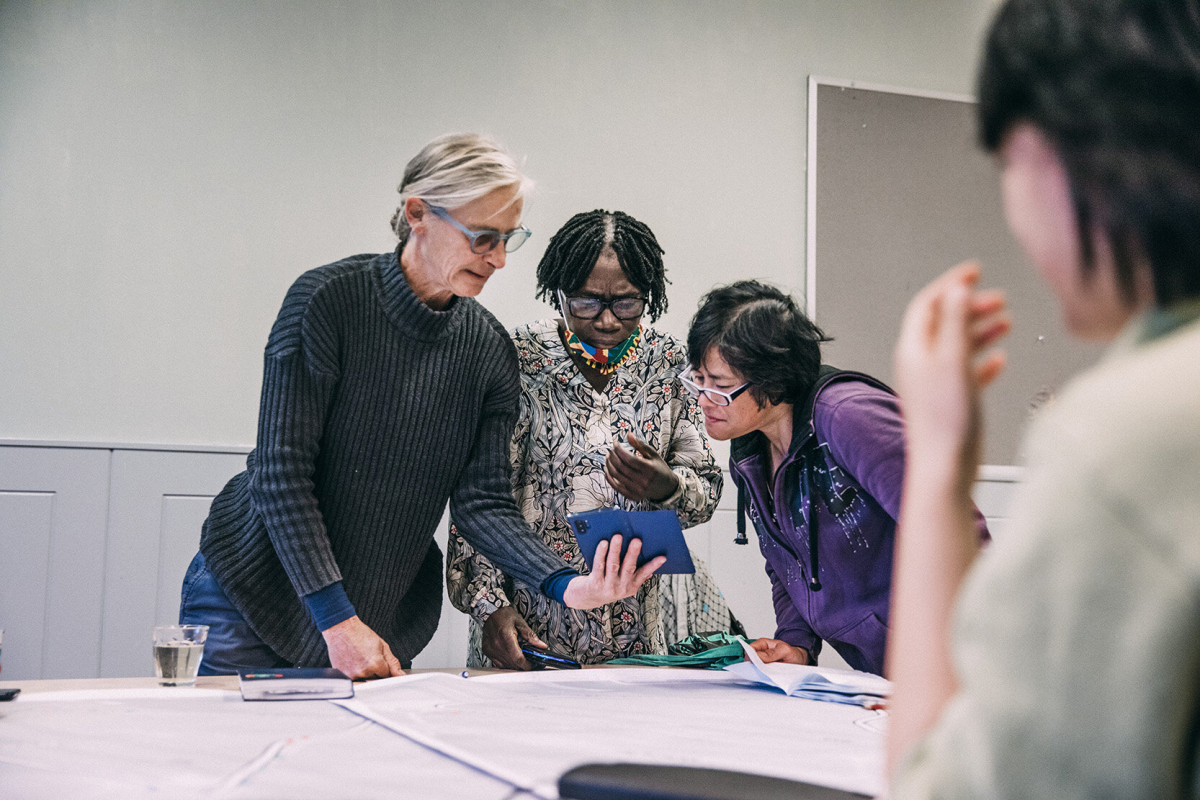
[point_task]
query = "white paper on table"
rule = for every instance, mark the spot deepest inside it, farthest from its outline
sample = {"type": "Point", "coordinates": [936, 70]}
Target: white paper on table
{"type": "Point", "coordinates": [610, 675]}
{"type": "Point", "coordinates": [812, 683]}
{"type": "Point", "coordinates": [131, 743]}
{"type": "Point", "coordinates": [529, 729]}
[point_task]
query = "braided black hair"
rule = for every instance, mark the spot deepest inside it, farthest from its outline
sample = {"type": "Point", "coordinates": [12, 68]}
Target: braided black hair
{"type": "Point", "coordinates": [575, 248]}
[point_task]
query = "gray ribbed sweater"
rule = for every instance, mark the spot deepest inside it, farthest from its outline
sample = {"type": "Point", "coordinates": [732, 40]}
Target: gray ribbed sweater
{"type": "Point", "coordinates": [375, 409]}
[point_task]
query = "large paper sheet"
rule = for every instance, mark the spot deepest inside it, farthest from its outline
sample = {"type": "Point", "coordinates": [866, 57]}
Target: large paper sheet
{"type": "Point", "coordinates": [180, 743]}
{"type": "Point", "coordinates": [529, 728]}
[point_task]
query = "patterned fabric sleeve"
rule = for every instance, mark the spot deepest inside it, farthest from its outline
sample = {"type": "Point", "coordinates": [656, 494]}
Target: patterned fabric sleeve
{"type": "Point", "coordinates": [473, 583]}
{"type": "Point", "coordinates": [692, 460]}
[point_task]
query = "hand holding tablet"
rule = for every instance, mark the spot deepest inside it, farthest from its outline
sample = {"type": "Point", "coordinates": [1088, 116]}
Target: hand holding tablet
{"type": "Point", "coordinates": [659, 532]}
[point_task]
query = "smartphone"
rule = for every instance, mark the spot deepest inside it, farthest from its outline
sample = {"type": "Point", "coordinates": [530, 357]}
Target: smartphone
{"type": "Point", "coordinates": [547, 659]}
{"type": "Point", "coordinates": [8, 694]}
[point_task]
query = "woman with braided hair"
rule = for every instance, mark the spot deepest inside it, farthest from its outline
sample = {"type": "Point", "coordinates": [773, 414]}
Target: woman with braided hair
{"type": "Point", "coordinates": [604, 421]}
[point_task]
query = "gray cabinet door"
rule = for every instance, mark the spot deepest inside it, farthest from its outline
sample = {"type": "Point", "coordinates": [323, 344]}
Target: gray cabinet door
{"type": "Point", "coordinates": [53, 503]}
{"type": "Point", "coordinates": [158, 501]}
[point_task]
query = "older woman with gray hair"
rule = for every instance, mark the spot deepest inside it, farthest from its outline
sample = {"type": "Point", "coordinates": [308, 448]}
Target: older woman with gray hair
{"type": "Point", "coordinates": [386, 391]}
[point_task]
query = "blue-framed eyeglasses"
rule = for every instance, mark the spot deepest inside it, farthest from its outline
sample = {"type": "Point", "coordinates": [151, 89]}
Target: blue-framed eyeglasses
{"type": "Point", "coordinates": [716, 396]}
{"type": "Point", "coordinates": [485, 241]}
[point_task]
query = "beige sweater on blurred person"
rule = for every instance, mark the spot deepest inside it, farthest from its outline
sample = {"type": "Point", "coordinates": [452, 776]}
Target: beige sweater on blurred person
{"type": "Point", "coordinates": [1077, 633]}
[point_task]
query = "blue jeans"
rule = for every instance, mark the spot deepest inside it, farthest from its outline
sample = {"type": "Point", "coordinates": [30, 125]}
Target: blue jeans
{"type": "Point", "coordinates": [231, 644]}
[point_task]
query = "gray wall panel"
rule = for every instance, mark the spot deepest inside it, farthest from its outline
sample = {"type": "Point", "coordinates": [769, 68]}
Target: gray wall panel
{"type": "Point", "coordinates": [154, 519]}
{"type": "Point", "coordinates": [26, 518]}
{"type": "Point", "coordinates": [65, 559]}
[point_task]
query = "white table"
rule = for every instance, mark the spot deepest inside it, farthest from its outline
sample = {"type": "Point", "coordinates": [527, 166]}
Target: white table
{"type": "Point", "coordinates": [428, 735]}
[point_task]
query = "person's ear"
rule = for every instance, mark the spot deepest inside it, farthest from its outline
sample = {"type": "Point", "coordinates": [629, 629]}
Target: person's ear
{"type": "Point", "coordinates": [416, 213]}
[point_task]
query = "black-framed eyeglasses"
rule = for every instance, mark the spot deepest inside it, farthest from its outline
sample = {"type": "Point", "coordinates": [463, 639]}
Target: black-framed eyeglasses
{"type": "Point", "coordinates": [485, 241]}
{"type": "Point", "coordinates": [623, 308]}
{"type": "Point", "coordinates": [716, 396]}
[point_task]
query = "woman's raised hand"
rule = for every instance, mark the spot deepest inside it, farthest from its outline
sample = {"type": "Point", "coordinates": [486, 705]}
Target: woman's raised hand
{"type": "Point", "coordinates": [943, 360]}
{"type": "Point", "coordinates": [640, 475]}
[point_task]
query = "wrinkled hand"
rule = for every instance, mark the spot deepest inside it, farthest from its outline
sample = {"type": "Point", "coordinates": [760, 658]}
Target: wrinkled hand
{"type": "Point", "coordinates": [943, 362]}
{"type": "Point", "coordinates": [611, 578]}
{"type": "Point", "coordinates": [643, 475]}
{"type": "Point", "coordinates": [501, 639]}
{"type": "Point", "coordinates": [358, 651]}
{"type": "Point", "coordinates": [770, 650]}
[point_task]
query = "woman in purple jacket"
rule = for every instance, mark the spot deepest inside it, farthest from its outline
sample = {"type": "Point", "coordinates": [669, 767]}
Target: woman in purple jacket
{"type": "Point", "coordinates": [818, 459]}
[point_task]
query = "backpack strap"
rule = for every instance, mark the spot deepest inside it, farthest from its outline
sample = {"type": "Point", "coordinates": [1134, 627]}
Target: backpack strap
{"type": "Point", "coordinates": [741, 517]}
{"type": "Point", "coordinates": [812, 451]}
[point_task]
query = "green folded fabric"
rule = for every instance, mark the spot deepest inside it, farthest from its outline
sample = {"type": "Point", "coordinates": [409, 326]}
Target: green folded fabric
{"type": "Point", "coordinates": [701, 651]}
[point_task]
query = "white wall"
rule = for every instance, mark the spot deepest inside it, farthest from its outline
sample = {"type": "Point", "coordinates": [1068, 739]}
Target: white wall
{"type": "Point", "coordinates": [167, 169]}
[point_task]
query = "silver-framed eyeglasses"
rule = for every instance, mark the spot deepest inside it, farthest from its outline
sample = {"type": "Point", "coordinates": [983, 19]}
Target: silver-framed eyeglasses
{"type": "Point", "coordinates": [715, 396]}
{"type": "Point", "coordinates": [485, 241]}
{"type": "Point", "coordinates": [623, 308]}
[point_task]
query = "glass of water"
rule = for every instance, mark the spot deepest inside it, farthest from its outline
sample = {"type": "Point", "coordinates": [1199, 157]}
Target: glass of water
{"type": "Point", "coordinates": [177, 653]}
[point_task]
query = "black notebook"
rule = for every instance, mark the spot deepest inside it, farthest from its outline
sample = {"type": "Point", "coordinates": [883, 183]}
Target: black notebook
{"type": "Point", "coordinates": [295, 683]}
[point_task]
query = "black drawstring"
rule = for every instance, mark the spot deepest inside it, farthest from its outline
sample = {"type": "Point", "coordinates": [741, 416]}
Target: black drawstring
{"type": "Point", "coordinates": [741, 518]}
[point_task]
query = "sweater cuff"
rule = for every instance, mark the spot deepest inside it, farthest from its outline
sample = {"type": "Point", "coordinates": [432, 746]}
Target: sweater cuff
{"type": "Point", "coordinates": [555, 586]}
{"type": "Point", "coordinates": [329, 606]}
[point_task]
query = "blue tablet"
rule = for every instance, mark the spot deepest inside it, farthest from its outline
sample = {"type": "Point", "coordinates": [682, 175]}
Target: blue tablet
{"type": "Point", "coordinates": [659, 531]}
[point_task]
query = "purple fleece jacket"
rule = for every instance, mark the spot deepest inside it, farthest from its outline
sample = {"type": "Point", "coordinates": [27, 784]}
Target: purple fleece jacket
{"type": "Point", "coordinates": [860, 435]}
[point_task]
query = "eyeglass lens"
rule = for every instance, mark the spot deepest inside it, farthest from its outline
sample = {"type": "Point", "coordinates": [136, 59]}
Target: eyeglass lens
{"type": "Point", "coordinates": [484, 242]}
{"type": "Point", "coordinates": [695, 390]}
{"type": "Point", "coordinates": [625, 308]}
{"type": "Point", "coordinates": [487, 240]}
{"type": "Point", "coordinates": [516, 239]}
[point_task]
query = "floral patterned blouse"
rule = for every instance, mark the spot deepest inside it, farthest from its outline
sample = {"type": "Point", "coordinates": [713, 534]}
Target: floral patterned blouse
{"type": "Point", "coordinates": [563, 434]}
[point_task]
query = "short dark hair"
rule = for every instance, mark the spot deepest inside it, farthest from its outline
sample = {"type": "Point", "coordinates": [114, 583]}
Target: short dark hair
{"type": "Point", "coordinates": [574, 249]}
{"type": "Point", "coordinates": [759, 331]}
{"type": "Point", "coordinates": [1115, 86]}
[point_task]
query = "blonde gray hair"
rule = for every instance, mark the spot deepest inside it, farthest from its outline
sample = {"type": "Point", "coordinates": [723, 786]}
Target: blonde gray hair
{"type": "Point", "coordinates": [455, 169]}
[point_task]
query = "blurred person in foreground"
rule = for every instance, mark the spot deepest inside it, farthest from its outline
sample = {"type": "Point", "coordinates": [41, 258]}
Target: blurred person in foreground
{"type": "Point", "coordinates": [1065, 661]}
